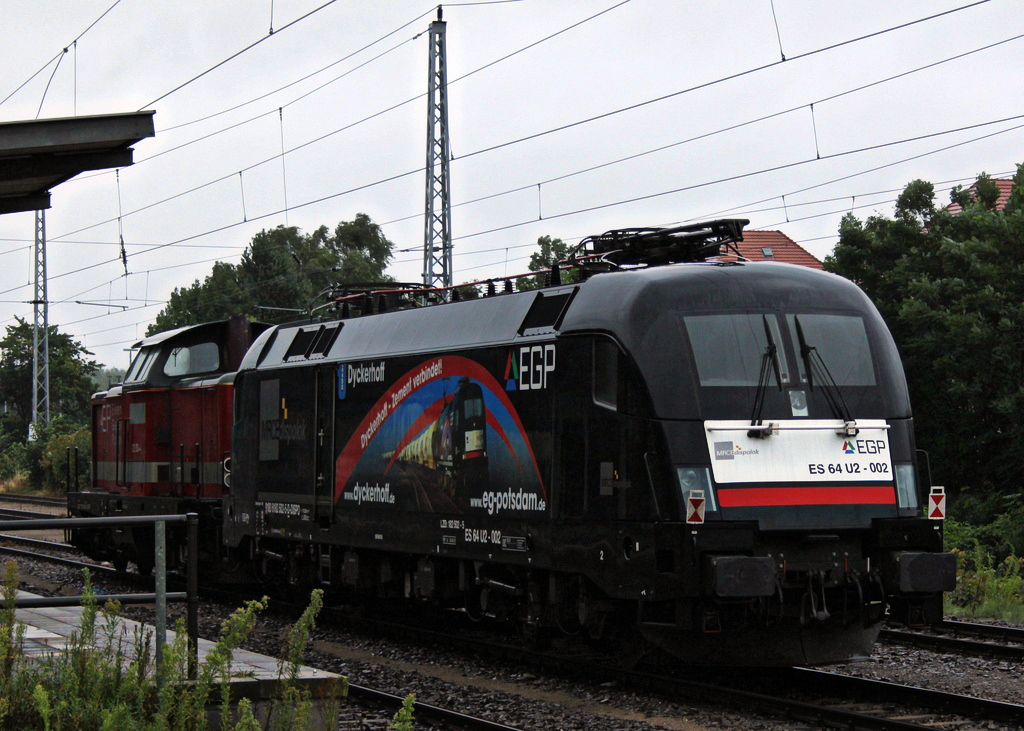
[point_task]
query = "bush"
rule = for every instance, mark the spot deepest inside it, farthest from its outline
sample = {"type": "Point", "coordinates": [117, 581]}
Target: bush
{"type": "Point", "coordinates": [985, 586]}
{"type": "Point", "coordinates": [93, 685]}
{"type": "Point", "coordinates": [55, 459]}
{"type": "Point", "coordinates": [43, 461]}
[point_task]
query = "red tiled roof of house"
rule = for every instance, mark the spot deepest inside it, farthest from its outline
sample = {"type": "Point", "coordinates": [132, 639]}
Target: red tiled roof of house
{"type": "Point", "coordinates": [1005, 186]}
{"type": "Point", "coordinates": [775, 246]}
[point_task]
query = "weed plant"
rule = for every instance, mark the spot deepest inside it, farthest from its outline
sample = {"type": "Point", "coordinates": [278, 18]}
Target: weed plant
{"type": "Point", "coordinates": [103, 680]}
{"type": "Point", "coordinates": [986, 586]}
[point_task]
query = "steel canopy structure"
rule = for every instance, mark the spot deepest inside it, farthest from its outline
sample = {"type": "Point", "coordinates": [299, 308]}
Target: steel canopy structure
{"type": "Point", "coordinates": [38, 155]}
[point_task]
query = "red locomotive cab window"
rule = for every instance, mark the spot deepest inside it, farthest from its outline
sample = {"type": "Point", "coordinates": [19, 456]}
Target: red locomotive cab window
{"type": "Point", "coordinates": [192, 359]}
{"type": "Point", "coordinates": [140, 366]}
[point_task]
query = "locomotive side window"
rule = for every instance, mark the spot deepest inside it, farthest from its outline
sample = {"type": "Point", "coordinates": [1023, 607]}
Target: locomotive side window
{"type": "Point", "coordinates": [728, 348]}
{"type": "Point", "coordinates": [606, 373]}
{"type": "Point", "coordinates": [186, 360]}
{"type": "Point", "coordinates": [842, 343]}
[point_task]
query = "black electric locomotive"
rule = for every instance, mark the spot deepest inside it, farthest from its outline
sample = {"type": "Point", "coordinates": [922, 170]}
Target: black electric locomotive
{"type": "Point", "coordinates": [715, 455]}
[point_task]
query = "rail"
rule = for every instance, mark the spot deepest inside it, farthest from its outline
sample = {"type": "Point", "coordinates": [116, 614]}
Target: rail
{"type": "Point", "coordinates": [160, 596]}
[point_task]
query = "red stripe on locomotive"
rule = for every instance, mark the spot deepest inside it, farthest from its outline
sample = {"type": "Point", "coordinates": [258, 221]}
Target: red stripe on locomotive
{"type": "Point", "coordinates": [748, 497]}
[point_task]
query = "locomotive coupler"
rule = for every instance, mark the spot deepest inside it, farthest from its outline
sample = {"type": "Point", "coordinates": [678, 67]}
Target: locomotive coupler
{"type": "Point", "coordinates": [812, 596]}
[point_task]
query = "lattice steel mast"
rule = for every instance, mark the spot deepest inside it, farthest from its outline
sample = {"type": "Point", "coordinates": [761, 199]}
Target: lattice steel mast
{"type": "Point", "coordinates": [40, 332]}
{"type": "Point", "coordinates": [437, 238]}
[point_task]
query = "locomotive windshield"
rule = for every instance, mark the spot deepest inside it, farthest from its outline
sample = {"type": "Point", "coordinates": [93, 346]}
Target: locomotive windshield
{"type": "Point", "coordinates": [728, 349]}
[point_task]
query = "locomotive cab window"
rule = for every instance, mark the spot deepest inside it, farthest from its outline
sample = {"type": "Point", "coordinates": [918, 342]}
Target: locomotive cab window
{"type": "Point", "coordinates": [192, 359]}
{"type": "Point", "coordinates": [140, 366]}
{"type": "Point", "coordinates": [842, 343]}
{"type": "Point", "coordinates": [728, 348]}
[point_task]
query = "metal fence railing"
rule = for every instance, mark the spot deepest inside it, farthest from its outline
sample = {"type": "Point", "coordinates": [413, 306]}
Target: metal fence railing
{"type": "Point", "coordinates": [160, 596]}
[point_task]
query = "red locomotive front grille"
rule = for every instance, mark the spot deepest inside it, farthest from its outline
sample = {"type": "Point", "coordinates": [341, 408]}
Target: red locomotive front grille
{"type": "Point", "coordinates": [748, 497]}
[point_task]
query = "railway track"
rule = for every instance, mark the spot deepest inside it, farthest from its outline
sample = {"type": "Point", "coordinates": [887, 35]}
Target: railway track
{"type": "Point", "coordinates": [29, 507]}
{"type": "Point", "coordinates": [40, 500]}
{"type": "Point", "coordinates": [96, 568]}
{"type": "Point", "coordinates": [805, 695]}
{"type": "Point", "coordinates": [1003, 643]}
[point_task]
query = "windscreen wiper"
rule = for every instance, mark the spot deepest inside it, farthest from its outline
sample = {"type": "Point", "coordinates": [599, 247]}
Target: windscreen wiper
{"type": "Point", "coordinates": [769, 363]}
{"type": "Point", "coordinates": [813, 362]}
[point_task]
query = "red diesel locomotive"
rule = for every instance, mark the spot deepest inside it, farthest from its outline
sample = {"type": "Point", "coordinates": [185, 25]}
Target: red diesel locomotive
{"type": "Point", "coordinates": [161, 441]}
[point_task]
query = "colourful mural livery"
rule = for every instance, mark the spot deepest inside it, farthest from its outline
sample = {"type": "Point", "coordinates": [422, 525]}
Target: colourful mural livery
{"type": "Point", "coordinates": [437, 440]}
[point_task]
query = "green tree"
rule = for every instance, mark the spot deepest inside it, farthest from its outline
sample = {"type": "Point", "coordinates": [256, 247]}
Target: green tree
{"type": "Point", "coordinates": [551, 251]}
{"type": "Point", "coordinates": [71, 372]}
{"type": "Point", "coordinates": [271, 273]}
{"type": "Point", "coordinates": [104, 378]}
{"type": "Point", "coordinates": [218, 297]}
{"type": "Point", "coordinates": [950, 285]}
{"type": "Point", "coordinates": [281, 274]}
{"type": "Point", "coordinates": [357, 252]}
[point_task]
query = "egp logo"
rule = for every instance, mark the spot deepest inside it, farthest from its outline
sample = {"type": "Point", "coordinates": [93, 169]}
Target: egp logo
{"type": "Point", "coordinates": [528, 368]}
{"type": "Point", "coordinates": [864, 446]}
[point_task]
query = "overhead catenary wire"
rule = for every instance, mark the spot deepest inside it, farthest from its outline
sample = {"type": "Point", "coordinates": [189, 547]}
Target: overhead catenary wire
{"type": "Point", "coordinates": [135, 247]}
{"type": "Point", "coordinates": [584, 121]}
{"type": "Point", "coordinates": [344, 128]}
{"type": "Point", "coordinates": [59, 54]}
{"type": "Point", "coordinates": [716, 181]}
{"type": "Point", "coordinates": [236, 54]}
{"type": "Point", "coordinates": [308, 76]}
{"type": "Point", "coordinates": [529, 245]}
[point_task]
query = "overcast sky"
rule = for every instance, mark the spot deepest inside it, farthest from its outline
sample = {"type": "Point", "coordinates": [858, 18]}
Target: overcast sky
{"type": "Point", "coordinates": [553, 105]}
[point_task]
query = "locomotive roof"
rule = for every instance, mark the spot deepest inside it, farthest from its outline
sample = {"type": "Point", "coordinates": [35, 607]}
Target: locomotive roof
{"type": "Point", "coordinates": [188, 332]}
{"type": "Point", "coordinates": [619, 302]}
{"type": "Point", "coordinates": [623, 296]}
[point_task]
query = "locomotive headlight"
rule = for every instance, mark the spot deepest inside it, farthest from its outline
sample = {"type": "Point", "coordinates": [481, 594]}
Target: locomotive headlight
{"type": "Point", "coordinates": [688, 478]}
{"type": "Point", "coordinates": [798, 403]}
{"type": "Point", "coordinates": [696, 478]}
